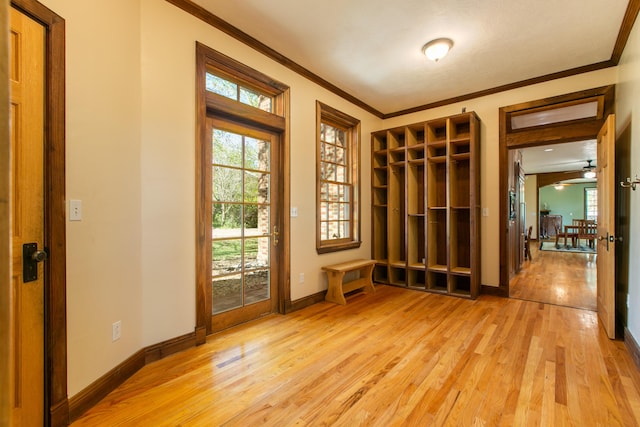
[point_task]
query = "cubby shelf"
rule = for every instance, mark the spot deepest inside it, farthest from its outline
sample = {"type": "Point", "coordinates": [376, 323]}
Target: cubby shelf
{"type": "Point", "coordinates": [426, 205]}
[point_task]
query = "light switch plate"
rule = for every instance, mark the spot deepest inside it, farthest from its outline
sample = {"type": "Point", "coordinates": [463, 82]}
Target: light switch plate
{"type": "Point", "coordinates": [75, 210]}
{"type": "Point", "coordinates": [294, 211]}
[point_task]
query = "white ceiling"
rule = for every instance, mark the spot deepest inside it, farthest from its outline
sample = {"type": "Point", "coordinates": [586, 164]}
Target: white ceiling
{"type": "Point", "coordinates": [372, 49]}
{"type": "Point", "coordinates": [569, 156]}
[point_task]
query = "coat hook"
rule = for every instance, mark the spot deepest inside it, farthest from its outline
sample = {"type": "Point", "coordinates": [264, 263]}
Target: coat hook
{"type": "Point", "coordinates": [630, 183]}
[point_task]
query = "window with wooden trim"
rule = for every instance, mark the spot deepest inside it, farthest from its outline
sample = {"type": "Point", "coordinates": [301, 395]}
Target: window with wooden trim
{"type": "Point", "coordinates": [337, 180]}
{"type": "Point", "coordinates": [232, 88]}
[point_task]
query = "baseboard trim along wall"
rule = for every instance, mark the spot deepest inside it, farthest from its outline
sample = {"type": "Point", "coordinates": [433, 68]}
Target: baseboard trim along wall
{"type": "Point", "coordinates": [632, 347]}
{"type": "Point", "coordinates": [494, 290]}
{"type": "Point", "coordinates": [96, 391]}
{"type": "Point", "coordinates": [301, 303]}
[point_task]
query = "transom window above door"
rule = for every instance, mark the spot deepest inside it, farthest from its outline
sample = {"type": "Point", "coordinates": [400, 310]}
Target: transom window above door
{"type": "Point", "coordinates": [225, 86]}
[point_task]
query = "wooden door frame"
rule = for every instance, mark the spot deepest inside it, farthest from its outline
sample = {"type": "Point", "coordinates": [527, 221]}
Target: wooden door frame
{"type": "Point", "coordinates": [572, 131]}
{"type": "Point", "coordinates": [208, 103]}
{"type": "Point", "coordinates": [56, 403]}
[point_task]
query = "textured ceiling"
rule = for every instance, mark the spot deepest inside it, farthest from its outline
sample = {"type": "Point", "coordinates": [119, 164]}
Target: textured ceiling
{"type": "Point", "coordinates": [372, 49]}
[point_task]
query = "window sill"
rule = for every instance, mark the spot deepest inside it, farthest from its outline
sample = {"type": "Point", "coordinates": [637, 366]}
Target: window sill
{"type": "Point", "coordinates": [338, 247]}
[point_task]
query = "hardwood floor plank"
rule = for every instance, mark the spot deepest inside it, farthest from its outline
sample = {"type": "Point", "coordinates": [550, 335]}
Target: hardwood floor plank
{"type": "Point", "coordinates": [562, 278]}
{"type": "Point", "coordinates": [393, 358]}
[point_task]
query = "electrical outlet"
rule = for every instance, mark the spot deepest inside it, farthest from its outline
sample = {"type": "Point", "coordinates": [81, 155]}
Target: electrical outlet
{"type": "Point", "coordinates": [301, 278]}
{"type": "Point", "coordinates": [116, 330]}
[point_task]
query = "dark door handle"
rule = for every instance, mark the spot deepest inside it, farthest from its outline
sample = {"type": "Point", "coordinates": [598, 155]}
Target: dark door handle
{"type": "Point", "coordinates": [31, 256]}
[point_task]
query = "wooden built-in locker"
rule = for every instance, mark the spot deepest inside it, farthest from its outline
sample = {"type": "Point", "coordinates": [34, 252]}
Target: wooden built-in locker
{"type": "Point", "coordinates": [426, 205]}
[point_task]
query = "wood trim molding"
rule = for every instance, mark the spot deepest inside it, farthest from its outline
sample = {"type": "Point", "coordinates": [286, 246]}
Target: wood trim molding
{"type": "Point", "coordinates": [301, 303]}
{"type": "Point", "coordinates": [55, 213]}
{"type": "Point", "coordinates": [549, 178]}
{"type": "Point", "coordinates": [87, 398]}
{"type": "Point", "coordinates": [213, 20]}
{"type": "Point", "coordinates": [96, 391]}
{"type": "Point", "coordinates": [169, 347]}
{"type": "Point", "coordinates": [632, 347]}
{"type": "Point", "coordinates": [625, 29]}
{"type": "Point", "coordinates": [506, 87]}
{"type": "Point", "coordinates": [563, 133]}
{"type": "Point", "coordinates": [498, 291]}
{"type": "Point", "coordinates": [199, 12]}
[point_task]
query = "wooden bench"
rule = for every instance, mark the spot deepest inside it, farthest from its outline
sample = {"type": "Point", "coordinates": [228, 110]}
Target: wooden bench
{"type": "Point", "coordinates": [336, 272]}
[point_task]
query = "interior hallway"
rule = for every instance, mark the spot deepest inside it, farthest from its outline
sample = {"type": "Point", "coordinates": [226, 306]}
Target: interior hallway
{"type": "Point", "coordinates": [562, 278]}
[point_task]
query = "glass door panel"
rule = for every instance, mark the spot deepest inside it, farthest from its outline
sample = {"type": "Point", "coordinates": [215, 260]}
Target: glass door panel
{"type": "Point", "coordinates": [242, 223]}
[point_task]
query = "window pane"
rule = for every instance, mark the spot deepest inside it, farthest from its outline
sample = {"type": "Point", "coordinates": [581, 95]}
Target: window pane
{"type": "Point", "coordinates": [227, 293]}
{"type": "Point", "coordinates": [227, 148]}
{"type": "Point", "coordinates": [344, 211]}
{"type": "Point", "coordinates": [324, 191]}
{"type": "Point", "coordinates": [226, 256]}
{"type": "Point", "coordinates": [344, 229]}
{"type": "Point", "coordinates": [256, 187]}
{"type": "Point", "coordinates": [328, 172]}
{"type": "Point", "coordinates": [256, 286]}
{"type": "Point", "coordinates": [341, 174]}
{"type": "Point", "coordinates": [340, 156]}
{"type": "Point", "coordinates": [329, 152]}
{"type": "Point", "coordinates": [256, 252]}
{"type": "Point", "coordinates": [221, 86]}
{"type": "Point", "coordinates": [329, 134]}
{"type": "Point", "coordinates": [333, 211]}
{"type": "Point", "coordinates": [226, 220]}
{"type": "Point", "coordinates": [324, 211]}
{"type": "Point", "coordinates": [341, 137]}
{"type": "Point", "coordinates": [227, 184]}
{"type": "Point", "coordinates": [333, 230]}
{"type": "Point", "coordinates": [255, 99]}
{"type": "Point", "coordinates": [256, 154]}
{"type": "Point", "coordinates": [256, 220]}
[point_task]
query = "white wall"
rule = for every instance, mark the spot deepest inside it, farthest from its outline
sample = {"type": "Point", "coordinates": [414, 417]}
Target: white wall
{"type": "Point", "coordinates": [103, 125]}
{"type": "Point", "coordinates": [487, 109]}
{"type": "Point", "coordinates": [628, 116]}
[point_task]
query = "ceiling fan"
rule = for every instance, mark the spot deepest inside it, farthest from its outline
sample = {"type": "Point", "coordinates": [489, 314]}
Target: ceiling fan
{"type": "Point", "coordinates": [589, 170]}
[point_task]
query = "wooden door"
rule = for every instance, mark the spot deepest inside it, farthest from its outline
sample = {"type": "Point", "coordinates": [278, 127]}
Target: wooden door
{"type": "Point", "coordinates": [27, 40]}
{"type": "Point", "coordinates": [245, 232]}
{"type": "Point", "coordinates": [606, 226]}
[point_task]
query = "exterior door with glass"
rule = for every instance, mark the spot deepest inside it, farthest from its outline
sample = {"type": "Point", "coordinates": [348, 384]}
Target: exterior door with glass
{"type": "Point", "coordinates": [244, 227]}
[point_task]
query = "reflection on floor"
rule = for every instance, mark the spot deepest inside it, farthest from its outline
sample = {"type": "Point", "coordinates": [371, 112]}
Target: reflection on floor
{"type": "Point", "coordinates": [561, 278]}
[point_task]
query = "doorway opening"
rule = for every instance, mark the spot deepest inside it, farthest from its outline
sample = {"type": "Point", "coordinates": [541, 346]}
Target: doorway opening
{"type": "Point", "coordinates": [558, 206]}
{"type": "Point", "coordinates": [536, 125]}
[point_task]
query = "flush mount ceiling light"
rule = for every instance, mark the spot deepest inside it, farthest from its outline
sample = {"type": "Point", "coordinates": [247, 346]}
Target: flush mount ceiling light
{"type": "Point", "coordinates": [437, 49]}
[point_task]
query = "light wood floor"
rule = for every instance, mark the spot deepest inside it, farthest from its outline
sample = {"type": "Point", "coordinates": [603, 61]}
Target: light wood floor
{"type": "Point", "coordinates": [562, 278]}
{"type": "Point", "coordinates": [394, 358]}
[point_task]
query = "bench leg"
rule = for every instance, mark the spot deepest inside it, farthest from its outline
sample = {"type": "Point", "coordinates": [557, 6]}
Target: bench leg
{"type": "Point", "coordinates": [367, 273]}
{"type": "Point", "coordinates": [334, 291]}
